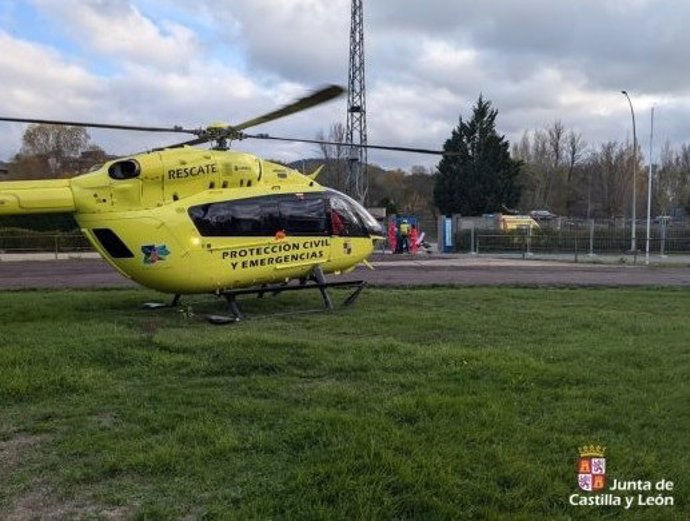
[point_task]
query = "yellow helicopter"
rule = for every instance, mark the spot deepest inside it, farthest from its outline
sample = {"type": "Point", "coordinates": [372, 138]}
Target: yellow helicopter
{"type": "Point", "coordinates": [185, 220]}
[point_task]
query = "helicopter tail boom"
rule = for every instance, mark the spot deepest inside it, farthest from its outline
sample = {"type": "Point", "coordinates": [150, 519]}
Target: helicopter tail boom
{"type": "Point", "coordinates": [40, 196]}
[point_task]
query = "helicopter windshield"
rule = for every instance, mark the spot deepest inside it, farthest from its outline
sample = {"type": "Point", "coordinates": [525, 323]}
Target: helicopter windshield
{"type": "Point", "coordinates": [357, 219]}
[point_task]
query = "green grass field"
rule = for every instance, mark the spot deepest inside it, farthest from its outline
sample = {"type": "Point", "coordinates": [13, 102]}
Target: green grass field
{"type": "Point", "coordinates": [415, 404]}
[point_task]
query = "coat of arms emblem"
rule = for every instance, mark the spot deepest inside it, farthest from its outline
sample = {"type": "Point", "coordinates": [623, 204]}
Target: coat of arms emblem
{"type": "Point", "coordinates": [591, 468]}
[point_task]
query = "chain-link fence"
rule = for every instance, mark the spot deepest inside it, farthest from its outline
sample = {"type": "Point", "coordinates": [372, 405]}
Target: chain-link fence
{"type": "Point", "coordinates": [565, 237]}
{"type": "Point", "coordinates": [573, 237]}
{"type": "Point", "coordinates": [22, 241]}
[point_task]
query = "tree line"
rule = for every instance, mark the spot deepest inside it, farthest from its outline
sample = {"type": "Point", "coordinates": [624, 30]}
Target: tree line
{"type": "Point", "coordinates": [563, 174]}
{"type": "Point", "coordinates": [554, 169]}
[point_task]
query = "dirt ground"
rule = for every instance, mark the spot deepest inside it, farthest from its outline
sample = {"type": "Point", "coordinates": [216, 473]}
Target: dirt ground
{"type": "Point", "coordinates": [390, 270]}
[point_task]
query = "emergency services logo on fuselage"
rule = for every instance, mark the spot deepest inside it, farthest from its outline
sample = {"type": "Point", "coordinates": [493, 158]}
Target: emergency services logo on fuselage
{"type": "Point", "coordinates": [591, 468]}
{"type": "Point", "coordinates": [153, 253]}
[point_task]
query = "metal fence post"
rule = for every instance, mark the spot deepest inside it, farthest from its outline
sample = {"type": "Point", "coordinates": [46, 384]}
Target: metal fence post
{"type": "Point", "coordinates": [472, 240]}
{"type": "Point", "coordinates": [576, 248]}
{"type": "Point", "coordinates": [591, 238]}
{"type": "Point", "coordinates": [56, 244]}
{"type": "Point", "coordinates": [662, 246]}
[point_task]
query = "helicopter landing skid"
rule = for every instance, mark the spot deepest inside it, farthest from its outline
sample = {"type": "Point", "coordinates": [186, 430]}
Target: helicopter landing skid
{"type": "Point", "coordinates": [236, 314]}
{"type": "Point", "coordinates": [160, 305]}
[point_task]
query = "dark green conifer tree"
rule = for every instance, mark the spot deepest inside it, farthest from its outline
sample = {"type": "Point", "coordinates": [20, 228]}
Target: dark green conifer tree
{"type": "Point", "coordinates": [482, 177]}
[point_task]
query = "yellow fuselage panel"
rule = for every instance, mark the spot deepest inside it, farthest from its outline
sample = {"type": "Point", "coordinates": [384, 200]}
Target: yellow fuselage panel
{"type": "Point", "coordinates": [169, 254]}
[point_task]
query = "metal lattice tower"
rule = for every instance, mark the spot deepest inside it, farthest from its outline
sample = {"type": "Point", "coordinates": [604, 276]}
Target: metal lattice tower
{"type": "Point", "coordinates": [357, 185]}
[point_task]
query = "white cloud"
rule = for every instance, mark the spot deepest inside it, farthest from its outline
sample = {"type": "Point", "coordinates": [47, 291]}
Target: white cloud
{"type": "Point", "coordinates": [38, 82]}
{"type": "Point", "coordinates": [118, 30]}
{"type": "Point", "coordinates": [34, 76]}
{"type": "Point", "coordinates": [173, 61]}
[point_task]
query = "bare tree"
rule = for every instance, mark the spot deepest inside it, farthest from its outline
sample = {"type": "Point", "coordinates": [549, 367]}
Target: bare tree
{"type": "Point", "coordinates": [612, 176]}
{"type": "Point", "coordinates": [673, 179]}
{"type": "Point", "coordinates": [534, 154]}
{"type": "Point", "coordinates": [57, 145]}
{"type": "Point", "coordinates": [55, 151]}
{"type": "Point", "coordinates": [556, 137]}
{"type": "Point", "coordinates": [575, 148]}
{"type": "Point", "coordinates": [335, 156]}
{"type": "Point", "coordinates": [551, 157]}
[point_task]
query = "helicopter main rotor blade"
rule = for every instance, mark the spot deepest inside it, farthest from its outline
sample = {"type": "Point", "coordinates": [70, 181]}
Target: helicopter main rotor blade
{"type": "Point", "coordinates": [320, 96]}
{"type": "Point", "coordinates": [376, 147]}
{"type": "Point", "coordinates": [233, 131]}
{"type": "Point", "coordinates": [138, 128]}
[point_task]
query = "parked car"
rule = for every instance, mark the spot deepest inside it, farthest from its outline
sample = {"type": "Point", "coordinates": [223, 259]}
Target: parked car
{"type": "Point", "coordinates": [509, 223]}
{"type": "Point", "coordinates": [542, 215]}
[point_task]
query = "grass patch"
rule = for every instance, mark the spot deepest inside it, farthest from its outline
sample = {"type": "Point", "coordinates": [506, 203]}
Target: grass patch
{"type": "Point", "coordinates": [465, 403]}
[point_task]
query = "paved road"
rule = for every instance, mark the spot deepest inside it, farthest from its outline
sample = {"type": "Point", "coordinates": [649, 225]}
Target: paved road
{"type": "Point", "coordinates": [461, 270]}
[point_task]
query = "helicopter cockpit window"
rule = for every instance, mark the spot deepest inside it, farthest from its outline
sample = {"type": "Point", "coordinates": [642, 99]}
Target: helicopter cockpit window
{"type": "Point", "coordinates": [127, 169]}
{"type": "Point", "coordinates": [344, 221]}
{"type": "Point", "coordinates": [350, 217]}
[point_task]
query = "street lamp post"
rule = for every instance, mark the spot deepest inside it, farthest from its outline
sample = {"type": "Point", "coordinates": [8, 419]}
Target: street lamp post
{"type": "Point", "coordinates": [633, 242]}
{"type": "Point", "coordinates": [649, 189]}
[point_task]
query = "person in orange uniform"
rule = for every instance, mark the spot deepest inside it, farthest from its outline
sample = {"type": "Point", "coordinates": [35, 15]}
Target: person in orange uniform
{"type": "Point", "coordinates": [392, 236]}
{"type": "Point", "coordinates": [414, 237]}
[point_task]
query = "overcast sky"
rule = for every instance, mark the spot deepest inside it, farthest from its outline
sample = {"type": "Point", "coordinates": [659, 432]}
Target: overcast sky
{"type": "Point", "coordinates": [168, 62]}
